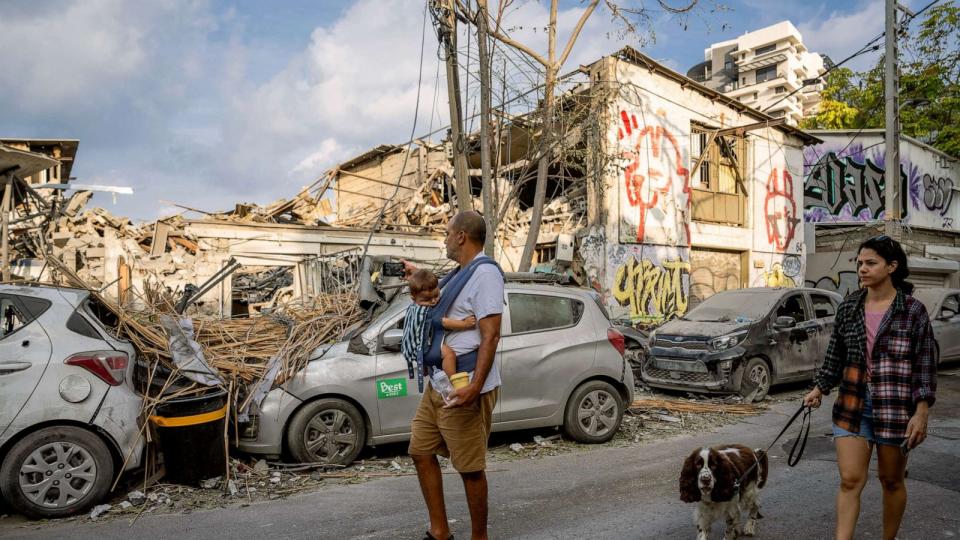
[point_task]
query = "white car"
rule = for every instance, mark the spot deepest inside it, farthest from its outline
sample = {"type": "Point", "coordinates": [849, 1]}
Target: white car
{"type": "Point", "coordinates": [68, 409]}
{"type": "Point", "coordinates": [561, 363]}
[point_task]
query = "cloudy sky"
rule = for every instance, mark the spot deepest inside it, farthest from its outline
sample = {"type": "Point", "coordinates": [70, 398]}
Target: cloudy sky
{"type": "Point", "coordinates": [211, 102]}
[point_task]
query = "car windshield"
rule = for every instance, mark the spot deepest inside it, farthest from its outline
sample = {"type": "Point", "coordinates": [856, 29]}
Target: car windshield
{"type": "Point", "coordinates": [733, 306]}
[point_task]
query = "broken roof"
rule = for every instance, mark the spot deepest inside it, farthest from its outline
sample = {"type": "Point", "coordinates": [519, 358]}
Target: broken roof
{"type": "Point", "coordinates": [22, 162]}
{"type": "Point", "coordinates": [68, 151]}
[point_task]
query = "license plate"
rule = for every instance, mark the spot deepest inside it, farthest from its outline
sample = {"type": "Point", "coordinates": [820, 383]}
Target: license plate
{"type": "Point", "coordinates": [680, 365]}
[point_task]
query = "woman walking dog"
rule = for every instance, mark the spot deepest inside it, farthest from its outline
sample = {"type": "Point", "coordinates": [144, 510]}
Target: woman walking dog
{"type": "Point", "coordinates": [882, 357]}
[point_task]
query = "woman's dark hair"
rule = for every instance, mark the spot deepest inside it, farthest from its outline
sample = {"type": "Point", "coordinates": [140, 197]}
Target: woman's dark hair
{"type": "Point", "coordinates": [891, 251]}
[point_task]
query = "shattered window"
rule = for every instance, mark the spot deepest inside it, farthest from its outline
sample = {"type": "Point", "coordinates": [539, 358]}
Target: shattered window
{"type": "Point", "coordinates": [823, 306]}
{"type": "Point", "coordinates": [952, 303]}
{"type": "Point", "coordinates": [13, 318]}
{"type": "Point", "coordinates": [534, 312]}
{"type": "Point", "coordinates": [793, 307]}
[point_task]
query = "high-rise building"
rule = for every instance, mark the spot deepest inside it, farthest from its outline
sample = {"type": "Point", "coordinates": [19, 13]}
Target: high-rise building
{"type": "Point", "coordinates": [766, 69]}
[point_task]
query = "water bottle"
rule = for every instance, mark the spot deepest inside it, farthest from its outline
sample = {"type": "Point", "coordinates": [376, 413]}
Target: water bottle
{"type": "Point", "coordinates": [441, 383]}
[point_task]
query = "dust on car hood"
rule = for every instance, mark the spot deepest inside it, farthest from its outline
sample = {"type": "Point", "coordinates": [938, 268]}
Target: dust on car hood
{"type": "Point", "coordinates": [679, 327]}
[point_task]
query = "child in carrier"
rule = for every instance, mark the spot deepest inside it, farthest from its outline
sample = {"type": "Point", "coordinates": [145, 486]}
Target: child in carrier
{"type": "Point", "coordinates": [425, 292]}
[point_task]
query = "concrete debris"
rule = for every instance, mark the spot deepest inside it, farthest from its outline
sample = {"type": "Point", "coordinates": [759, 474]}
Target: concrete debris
{"type": "Point", "coordinates": [136, 497]}
{"type": "Point", "coordinates": [99, 510]}
{"type": "Point", "coordinates": [516, 447]}
{"type": "Point", "coordinates": [210, 483]}
{"type": "Point", "coordinates": [124, 505]}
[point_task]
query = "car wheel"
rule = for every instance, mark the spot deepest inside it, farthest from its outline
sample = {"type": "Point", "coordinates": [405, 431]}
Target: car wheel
{"type": "Point", "coordinates": [327, 431]}
{"type": "Point", "coordinates": [755, 380]}
{"type": "Point", "coordinates": [593, 413]}
{"type": "Point", "coordinates": [56, 472]}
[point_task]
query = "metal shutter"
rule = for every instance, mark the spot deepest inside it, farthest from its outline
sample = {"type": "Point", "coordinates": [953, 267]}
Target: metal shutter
{"type": "Point", "coordinates": [712, 272]}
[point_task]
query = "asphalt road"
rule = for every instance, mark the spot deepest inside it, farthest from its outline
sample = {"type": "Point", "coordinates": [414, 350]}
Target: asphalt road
{"type": "Point", "coordinates": [605, 492]}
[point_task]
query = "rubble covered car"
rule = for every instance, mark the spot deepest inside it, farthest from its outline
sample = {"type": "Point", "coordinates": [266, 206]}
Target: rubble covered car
{"type": "Point", "coordinates": [561, 362]}
{"type": "Point", "coordinates": [68, 411]}
{"type": "Point", "coordinates": [743, 341]}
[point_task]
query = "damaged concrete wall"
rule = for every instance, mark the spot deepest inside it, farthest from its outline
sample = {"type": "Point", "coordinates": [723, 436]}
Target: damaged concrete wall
{"type": "Point", "coordinates": [640, 260]}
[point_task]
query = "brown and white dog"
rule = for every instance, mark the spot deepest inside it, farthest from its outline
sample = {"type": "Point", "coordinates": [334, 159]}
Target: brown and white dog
{"type": "Point", "coordinates": [710, 477]}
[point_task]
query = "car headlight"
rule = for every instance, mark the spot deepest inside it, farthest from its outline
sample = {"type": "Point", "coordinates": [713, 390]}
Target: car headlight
{"type": "Point", "coordinates": [652, 338]}
{"type": "Point", "coordinates": [723, 343]}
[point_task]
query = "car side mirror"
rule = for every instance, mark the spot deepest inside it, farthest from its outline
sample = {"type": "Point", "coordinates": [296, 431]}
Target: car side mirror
{"type": "Point", "coordinates": [946, 314]}
{"type": "Point", "coordinates": [784, 322]}
{"type": "Point", "coordinates": [391, 340]}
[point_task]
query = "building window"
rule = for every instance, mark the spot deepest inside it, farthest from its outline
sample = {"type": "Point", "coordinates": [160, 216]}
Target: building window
{"type": "Point", "coordinates": [744, 80]}
{"type": "Point", "coordinates": [718, 195]}
{"type": "Point", "coordinates": [781, 89]}
{"type": "Point", "coordinates": [777, 114]}
{"type": "Point", "coordinates": [767, 73]}
{"type": "Point", "coordinates": [765, 49]}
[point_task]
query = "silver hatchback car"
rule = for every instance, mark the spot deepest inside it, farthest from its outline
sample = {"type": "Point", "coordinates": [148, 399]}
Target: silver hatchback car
{"type": "Point", "coordinates": [561, 363]}
{"type": "Point", "coordinates": [68, 411]}
{"type": "Point", "coordinates": [943, 305]}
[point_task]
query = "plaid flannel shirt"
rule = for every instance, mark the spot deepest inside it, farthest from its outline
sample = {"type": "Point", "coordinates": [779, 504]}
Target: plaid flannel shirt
{"type": "Point", "coordinates": [903, 367]}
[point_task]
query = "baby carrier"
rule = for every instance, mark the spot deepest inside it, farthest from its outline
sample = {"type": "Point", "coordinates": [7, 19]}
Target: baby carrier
{"type": "Point", "coordinates": [452, 284]}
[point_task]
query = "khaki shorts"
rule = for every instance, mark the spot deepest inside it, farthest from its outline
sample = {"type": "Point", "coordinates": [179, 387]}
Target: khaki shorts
{"type": "Point", "coordinates": [458, 433]}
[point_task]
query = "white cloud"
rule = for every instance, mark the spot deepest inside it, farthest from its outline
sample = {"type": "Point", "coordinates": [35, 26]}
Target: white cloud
{"type": "Point", "coordinates": [840, 34]}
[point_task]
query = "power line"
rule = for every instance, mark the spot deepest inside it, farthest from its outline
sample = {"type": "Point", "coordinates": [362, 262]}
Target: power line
{"type": "Point", "coordinates": [870, 46]}
{"type": "Point", "coordinates": [413, 131]}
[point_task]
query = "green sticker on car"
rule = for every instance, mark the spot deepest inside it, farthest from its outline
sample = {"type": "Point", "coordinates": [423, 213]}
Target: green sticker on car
{"type": "Point", "coordinates": [391, 388]}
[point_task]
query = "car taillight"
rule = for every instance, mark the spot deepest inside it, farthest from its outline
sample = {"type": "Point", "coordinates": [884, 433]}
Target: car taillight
{"type": "Point", "coordinates": [109, 366]}
{"type": "Point", "coordinates": [617, 340]}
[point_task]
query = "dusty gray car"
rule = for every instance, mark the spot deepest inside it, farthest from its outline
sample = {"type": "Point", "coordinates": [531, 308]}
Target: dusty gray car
{"type": "Point", "coordinates": [68, 411]}
{"type": "Point", "coordinates": [943, 306]}
{"type": "Point", "coordinates": [561, 363]}
{"type": "Point", "coordinates": [743, 341]}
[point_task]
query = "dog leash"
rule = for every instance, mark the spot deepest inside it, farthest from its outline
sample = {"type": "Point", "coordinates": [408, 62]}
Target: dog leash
{"type": "Point", "coordinates": [798, 445]}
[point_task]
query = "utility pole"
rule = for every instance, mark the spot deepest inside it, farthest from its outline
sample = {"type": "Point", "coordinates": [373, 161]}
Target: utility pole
{"type": "Point", "coordinates": [489, 209]}
{"type": "Point", "coordinates": [891, 183]}
{"type": "Point", "coordinates": [446, 15]}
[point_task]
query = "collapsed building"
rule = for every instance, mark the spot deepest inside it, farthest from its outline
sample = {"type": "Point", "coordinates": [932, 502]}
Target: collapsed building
{"type": "Point", "coordinates": [661, 192]}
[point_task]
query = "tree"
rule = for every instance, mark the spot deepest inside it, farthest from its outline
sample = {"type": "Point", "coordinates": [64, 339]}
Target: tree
{"type": "Point", "coordinates": [929, 87]}
{"type": "Point", "coordinates": [633, 18]}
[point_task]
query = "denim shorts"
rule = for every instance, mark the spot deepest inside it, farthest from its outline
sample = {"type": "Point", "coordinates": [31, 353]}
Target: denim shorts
{"type": "Point", "coordinates": [866, 427]}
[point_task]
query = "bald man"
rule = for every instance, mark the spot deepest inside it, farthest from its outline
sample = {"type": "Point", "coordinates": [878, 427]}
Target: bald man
{"type": "Point", "coordinates": [460, 428]}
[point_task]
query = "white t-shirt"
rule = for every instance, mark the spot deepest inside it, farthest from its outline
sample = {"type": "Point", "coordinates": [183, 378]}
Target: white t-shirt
{"type": "Point", "coordinates": [481, 297]}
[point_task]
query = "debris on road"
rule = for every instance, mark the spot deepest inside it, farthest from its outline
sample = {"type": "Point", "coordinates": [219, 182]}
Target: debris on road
{"type": "Point", "coordinates": [695, 406]}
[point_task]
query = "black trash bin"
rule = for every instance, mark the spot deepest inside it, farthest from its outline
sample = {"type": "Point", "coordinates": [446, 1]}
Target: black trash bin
{"type": "Point", "coordinates": [191, 431]}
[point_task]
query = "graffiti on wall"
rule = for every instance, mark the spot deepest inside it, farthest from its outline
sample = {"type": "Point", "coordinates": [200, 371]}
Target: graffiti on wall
{"type": "Point", "coordinates": [784, 272]}
{"type": "Point", "coordinates": [780, 210]}
{"type": "Point", "coordinates": [847, 190]}
{"type": "Point", "coordinates": [655, 184]}
{"type": "Point", "coordinates": [652, 284]}
{"type": "Point", "coordinates": [843, 282]}
{"type": "Point", "coordinates": [937, 193]}
{"type": "Point", "coordinates": [777, 277]}
{"type": "Point", "coordinates": [712, 272]}
{"type": "Point", "coordinates": [591, 251]}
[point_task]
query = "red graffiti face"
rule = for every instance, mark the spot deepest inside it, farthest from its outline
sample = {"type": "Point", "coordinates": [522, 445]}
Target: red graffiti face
{"type": "Point", "coordinates": [780, 210]}
{"type": "Point", "coordinates": [654, 163]}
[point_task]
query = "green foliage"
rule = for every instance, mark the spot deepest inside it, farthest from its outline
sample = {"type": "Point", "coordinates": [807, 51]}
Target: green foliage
{"type": "Point", "coordinates": [929, 86]}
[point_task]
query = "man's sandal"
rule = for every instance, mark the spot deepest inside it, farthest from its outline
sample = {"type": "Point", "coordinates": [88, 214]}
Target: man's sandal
{"type": "Point", "coordinates": [432, 537]}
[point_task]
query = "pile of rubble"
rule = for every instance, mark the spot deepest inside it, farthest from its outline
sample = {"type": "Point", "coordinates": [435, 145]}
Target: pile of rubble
{"type": "Point", "coordinates": [304, 209]}
{"type": "Point", "coordinates": [423, 209]}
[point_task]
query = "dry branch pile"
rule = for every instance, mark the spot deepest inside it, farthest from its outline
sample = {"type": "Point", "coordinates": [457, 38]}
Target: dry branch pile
{"type": "Point", "coordinates": [241, 350]}
{"type": "Point", "coordinates": [682, 406]}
